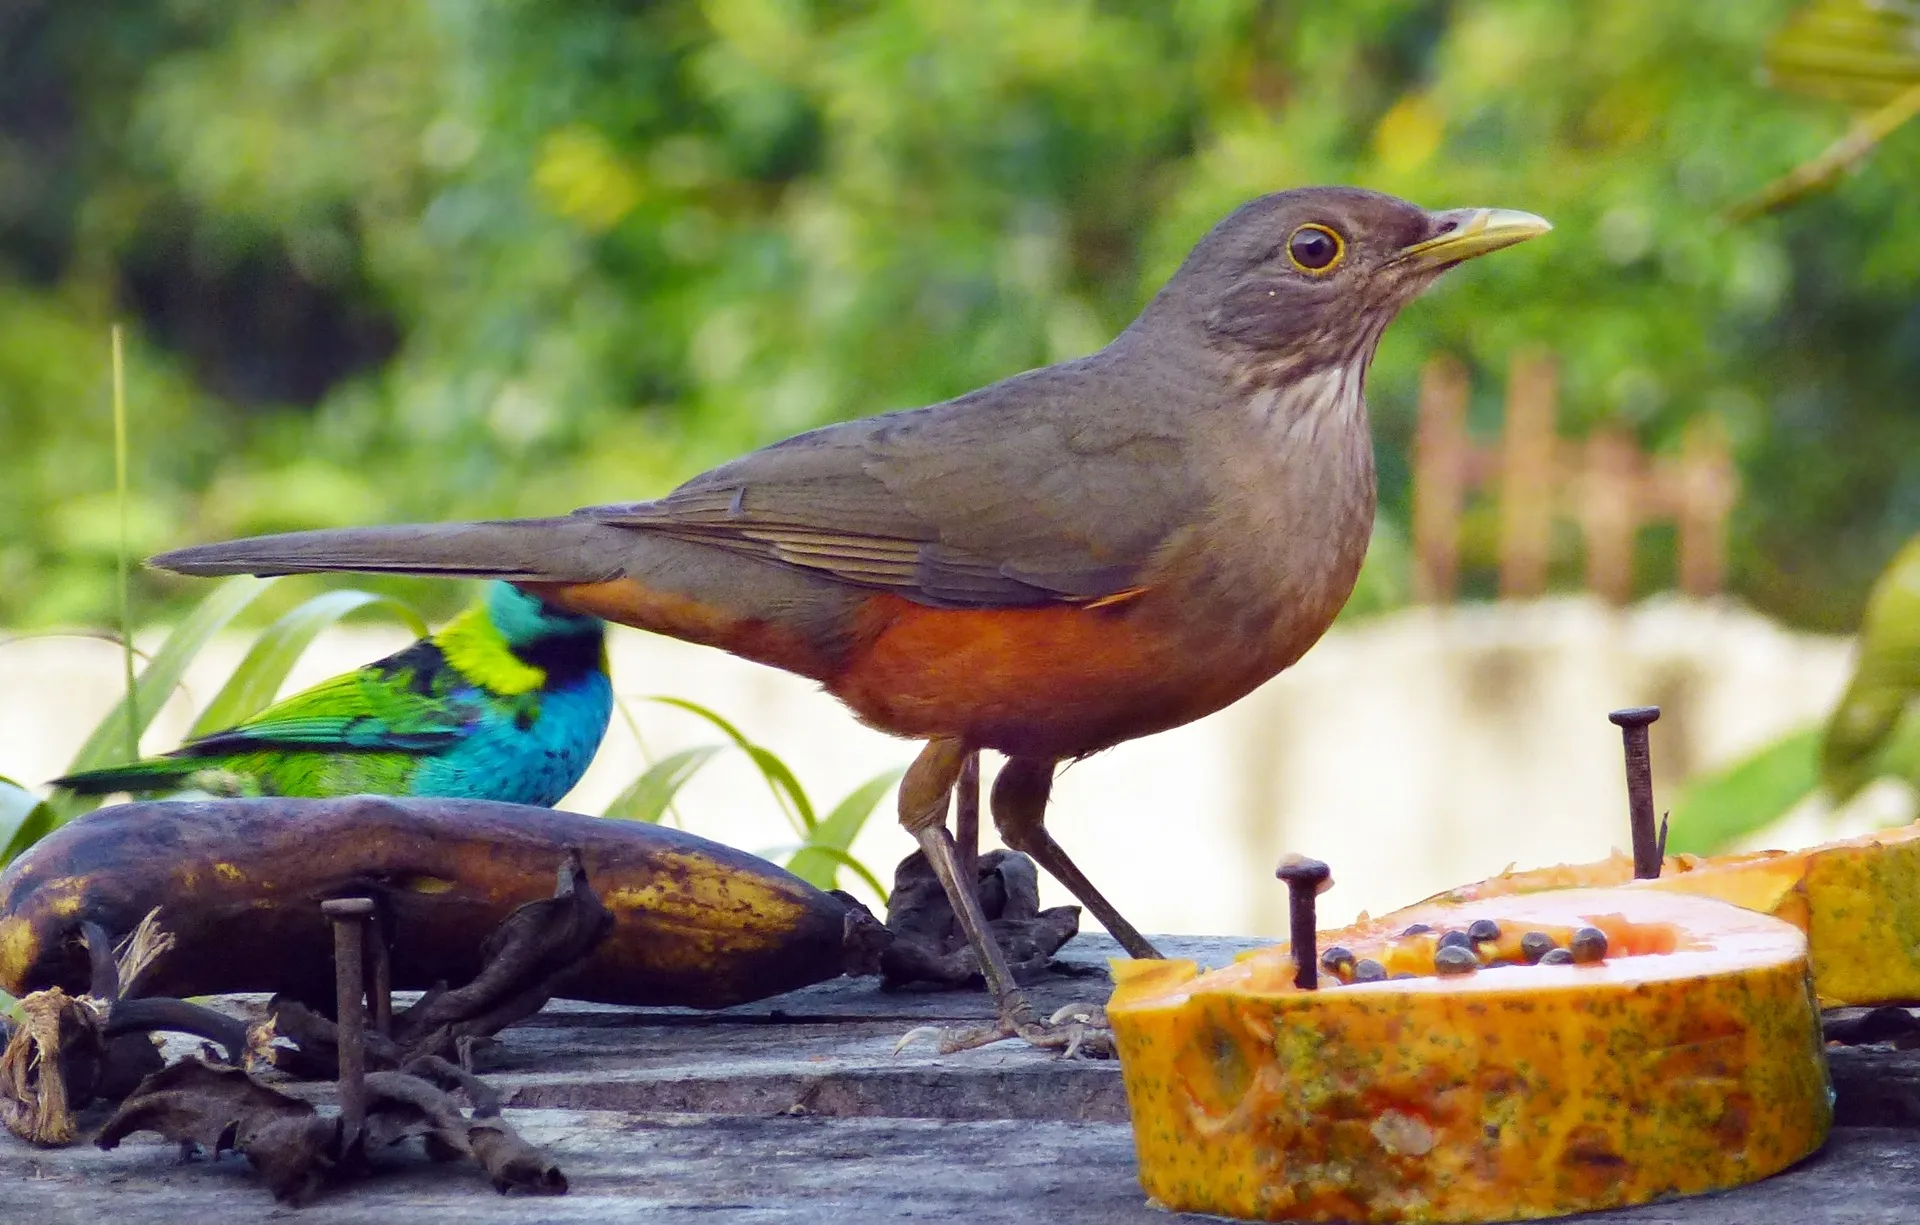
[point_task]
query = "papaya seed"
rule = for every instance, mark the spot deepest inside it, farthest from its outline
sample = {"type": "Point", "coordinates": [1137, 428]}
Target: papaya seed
{"type": "Point", "coordinates": [1367, 970]}
{"type": "Point", "coordinates": [1589, 944]}
{"type": "Point", "coordinates": [1482, 931]}
{"type": "Point", "coordinates": [1454, 959]}
{"type": "Point", "coordinates": [1556, 957]}
{"type": "Point", "coordinates": [1535, 945]}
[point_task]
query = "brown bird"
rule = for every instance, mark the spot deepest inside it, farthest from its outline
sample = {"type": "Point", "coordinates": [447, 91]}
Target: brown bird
{"type": "Point", "coordinates": [1048, 566]}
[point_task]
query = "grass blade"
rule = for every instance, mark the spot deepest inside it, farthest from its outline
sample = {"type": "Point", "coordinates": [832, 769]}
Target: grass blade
{"type": "Point", "coordinates": [25, 818]}
{"type": "Point", "coordinates": [786, 789]}
{"type": "Point", "coordinates": [647, 797]}
{"type": "Point", "coordinates": [845, 860]}
{"type": "Point", "coordinates": [1751, 794]}
{"type": "Point", "coordinates": [828, 847]}
{"type": "Point", "coordinates": [125, 558]}
{"type": "Point", "coordinates": [253, 685]}
{"type": "Point", "coordinates": [104, 747]}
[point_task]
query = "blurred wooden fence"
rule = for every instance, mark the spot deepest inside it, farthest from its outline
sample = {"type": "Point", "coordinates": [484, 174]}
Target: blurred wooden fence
{"type": "Point", "coordinates": [1604, 484]}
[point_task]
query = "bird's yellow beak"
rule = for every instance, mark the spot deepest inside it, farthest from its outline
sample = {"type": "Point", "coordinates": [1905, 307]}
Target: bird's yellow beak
{"type": "Point", "coordinates": [1462, 233]}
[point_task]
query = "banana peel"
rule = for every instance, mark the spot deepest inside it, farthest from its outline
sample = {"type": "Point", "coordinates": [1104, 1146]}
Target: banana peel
{"type": "Point", "coordinates": [239, 882]}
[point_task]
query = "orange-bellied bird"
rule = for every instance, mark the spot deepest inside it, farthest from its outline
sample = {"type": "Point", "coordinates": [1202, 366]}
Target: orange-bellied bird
{"type": "Point", "coordinates": [1048, 566]}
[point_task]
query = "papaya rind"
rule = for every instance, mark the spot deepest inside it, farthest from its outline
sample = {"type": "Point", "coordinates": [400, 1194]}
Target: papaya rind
{"type": "Point", "coordinates": [1502, 1095]}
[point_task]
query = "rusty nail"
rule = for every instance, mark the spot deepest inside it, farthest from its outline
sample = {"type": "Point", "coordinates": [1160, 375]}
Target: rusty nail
{"type": "Point", "coordinates": [1306, 879]}
{"type": "Point", "coordinates": [1648, 841]}
{"type": "Point", "coordinates": [349, 916]}
{"type": "Point", "coordinates": [380, 979]}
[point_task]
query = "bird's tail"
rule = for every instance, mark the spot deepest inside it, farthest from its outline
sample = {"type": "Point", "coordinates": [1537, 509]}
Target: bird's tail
{"type": "Point", "coordinates": [150, 774]}
{"type": "Point", "coordinates": [559, 550]}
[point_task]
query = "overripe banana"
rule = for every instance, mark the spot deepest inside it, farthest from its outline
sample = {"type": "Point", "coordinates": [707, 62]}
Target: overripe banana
{"type": "Point", "coordinates": [239, 882]}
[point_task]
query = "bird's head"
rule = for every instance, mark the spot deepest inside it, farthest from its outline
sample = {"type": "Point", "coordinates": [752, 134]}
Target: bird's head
{"type": "Point", "coordinates": [525, 620]}
{"type": "Point", "coordinates": [1309, 278]}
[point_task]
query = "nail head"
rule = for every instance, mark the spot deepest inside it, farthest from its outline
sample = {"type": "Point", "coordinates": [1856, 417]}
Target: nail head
{"type": "Point", "coordinates": [347, 907]}
{"type": "Point", "coordinates": [1634, 716]}
{"type": "Point", "coordinates": [1298, 869]}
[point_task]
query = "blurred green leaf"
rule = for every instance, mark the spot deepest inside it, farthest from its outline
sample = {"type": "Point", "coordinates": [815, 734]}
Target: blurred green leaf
{"type": "Point", "coordinates": [520, 258]}
{"type": "Point", "coordinates": [1886, 677]}
{"type": "Point", "coordinates": [827, 849]}
{"type": "Point", "coordinates": [786, 789]}
{"type": "Point", "coordinates": [25, 818]}
{"type": "Point", "coordinates": [647, 797]}
{"type": "Point", "coordinates": [1853, 51]}
{"type": "Point", "coordinates": [107, 744]}
{"type": "Point", "coordinates": [834, 855]}
{"type": "Point", "coordinates": [1717, 809]}
{"type": "Point", "coordinates": [258, 678]}
{"type": "Point", "coordinates": [1865, 55]}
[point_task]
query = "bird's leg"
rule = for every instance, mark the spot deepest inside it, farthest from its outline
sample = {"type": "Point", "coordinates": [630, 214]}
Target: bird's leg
{"type": "Point", "coordinates": [923, 810]}
{"type": "Point", "coordinates": [1020, 793]}
{"type": "Point", "coordinates": [966, 822]}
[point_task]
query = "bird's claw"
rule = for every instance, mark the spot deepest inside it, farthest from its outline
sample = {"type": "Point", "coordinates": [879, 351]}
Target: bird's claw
{"type": "Point", "coordinates": [1075, 1030]}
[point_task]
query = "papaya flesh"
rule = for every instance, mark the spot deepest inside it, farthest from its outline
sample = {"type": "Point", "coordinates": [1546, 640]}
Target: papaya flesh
{"type": "Point", "coordinates": [1858, 900]}
{"type": "Point", "coordinates": [1689, 1059]}
{"type": "Point", "coordinates": [239, 882]}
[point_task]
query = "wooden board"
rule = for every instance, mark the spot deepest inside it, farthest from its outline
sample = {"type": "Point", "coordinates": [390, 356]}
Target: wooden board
{"type": "Point", "coordinates": [796, 1110]}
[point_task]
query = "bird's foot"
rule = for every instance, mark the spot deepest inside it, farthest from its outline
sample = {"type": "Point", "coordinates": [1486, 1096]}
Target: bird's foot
{"type": "Point", "coordinates": [1077, 1030]}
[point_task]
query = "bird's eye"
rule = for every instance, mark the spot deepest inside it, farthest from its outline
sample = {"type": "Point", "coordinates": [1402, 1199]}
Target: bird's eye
{"type": "Point", "coordinates": [1315, 249]}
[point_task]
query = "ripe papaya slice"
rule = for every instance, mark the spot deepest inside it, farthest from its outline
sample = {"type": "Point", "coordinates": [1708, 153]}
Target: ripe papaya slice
{"type": "Point", "coordinates": [1858, 900]}
{"type": "Point", "coordinates": [1686, 1058]}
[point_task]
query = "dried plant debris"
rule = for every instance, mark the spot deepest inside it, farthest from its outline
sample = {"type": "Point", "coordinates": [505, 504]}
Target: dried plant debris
{"type": "Point", "coordinates": [63, 1053]}
{"type": "Point", "coordinates": [930, 950]}
{"type": "Point", "coordinates": [523, 960]}
{"type": "Point", "coordinates": [414, 1101]}
{"type": "Point", "coordinates": [298, 1151]}
{"type": "Point", "coordinates": [49, 1062]}
{"type": "Point", "coordinates": [104, 1044]}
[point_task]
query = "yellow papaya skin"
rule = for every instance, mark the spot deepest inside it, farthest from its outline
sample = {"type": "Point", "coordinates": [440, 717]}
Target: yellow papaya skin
{"type": "Point", "coordinates": [1858, 900]}
{"type": "Point", "coordinates": [239, 882]}
{"type": "Point", "coordinates": [1511, 1092]}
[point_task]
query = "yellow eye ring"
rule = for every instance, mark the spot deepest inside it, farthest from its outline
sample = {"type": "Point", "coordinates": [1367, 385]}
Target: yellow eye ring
{"type": "Point", "coordinates": [1316, 250]}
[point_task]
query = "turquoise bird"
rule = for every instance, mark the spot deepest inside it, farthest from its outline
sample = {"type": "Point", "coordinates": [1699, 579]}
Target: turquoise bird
{"type": "Point", "coordinates": [508, 702]}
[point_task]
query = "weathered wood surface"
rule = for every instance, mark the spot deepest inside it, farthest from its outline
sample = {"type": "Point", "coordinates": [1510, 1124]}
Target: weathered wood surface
{"type": "Point", "coordinates": [796, 1110]}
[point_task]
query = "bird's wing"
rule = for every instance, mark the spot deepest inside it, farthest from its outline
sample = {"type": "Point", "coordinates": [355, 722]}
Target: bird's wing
{"type": "Point", "coordinates": [391, 705]}
{"type": "Point", "coordinates": [1013, 496]}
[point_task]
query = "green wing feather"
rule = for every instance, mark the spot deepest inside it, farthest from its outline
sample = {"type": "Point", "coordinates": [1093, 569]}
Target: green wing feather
{"type": "Point", "coordinates": [361, 710]}
{"type": "Point", "coordinates": [404, 705]}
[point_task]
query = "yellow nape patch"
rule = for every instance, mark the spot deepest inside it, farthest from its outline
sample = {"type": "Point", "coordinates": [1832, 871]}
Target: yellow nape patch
{"type": "Point", "coordinates": [476, 650]}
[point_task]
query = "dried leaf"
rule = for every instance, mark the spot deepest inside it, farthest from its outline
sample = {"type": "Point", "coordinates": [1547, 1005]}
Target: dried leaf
{"type": "Point", "coordinates": [223, 1108]}
{"type": "Point", "coordinates": [930, 949]}
{"type": "Point", "coordinates": [523, 958]}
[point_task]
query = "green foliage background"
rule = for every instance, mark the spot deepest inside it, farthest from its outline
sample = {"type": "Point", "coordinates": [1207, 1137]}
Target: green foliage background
{"type": "Point", "coordinates": [391, 260]}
